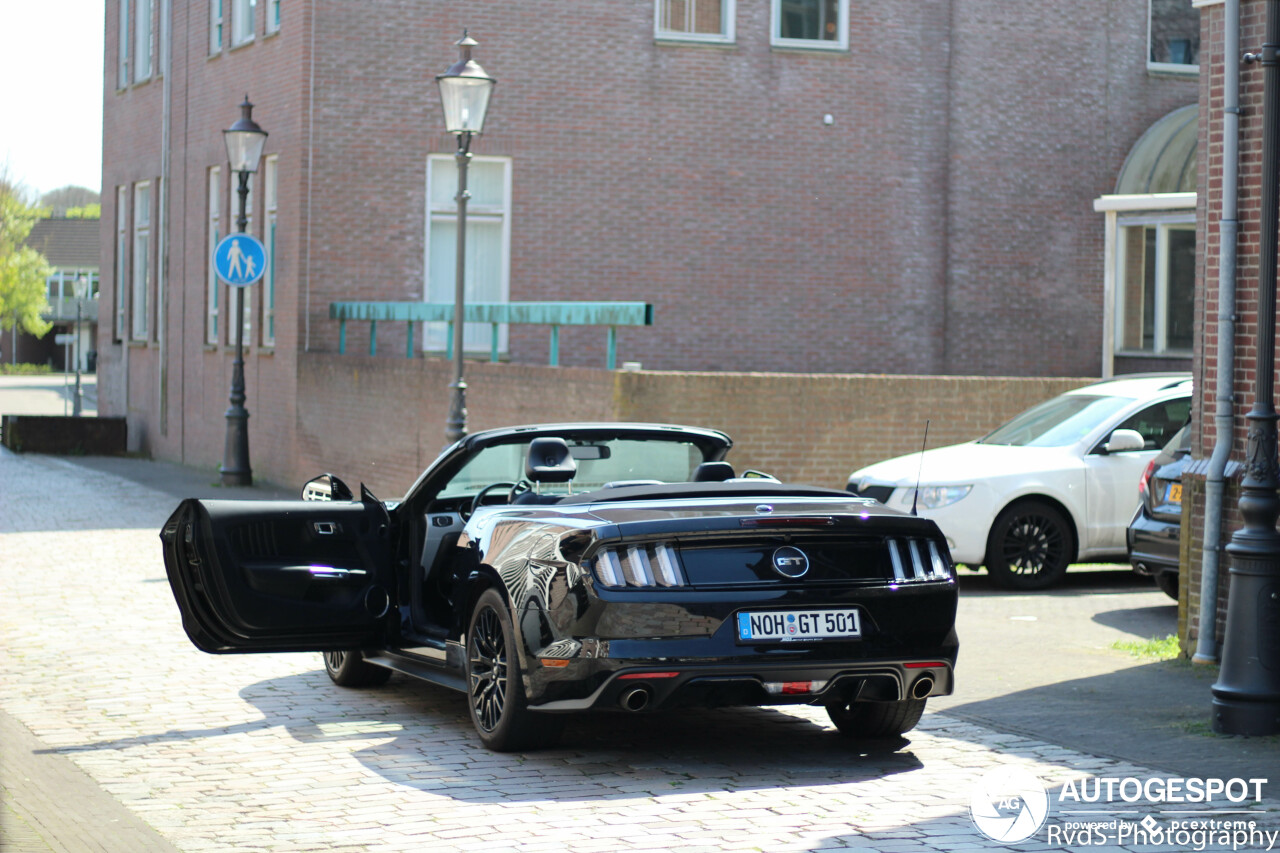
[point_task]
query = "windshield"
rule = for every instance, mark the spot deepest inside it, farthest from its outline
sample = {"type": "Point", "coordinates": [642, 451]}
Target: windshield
{"type": "Point", "coordinates": [1057, 423]}
{"type": "Point", "coordinates": [599, 462]}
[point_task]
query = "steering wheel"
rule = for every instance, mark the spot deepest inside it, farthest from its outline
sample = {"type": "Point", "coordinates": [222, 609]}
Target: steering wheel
{"type": "Point", "coordinates": [478, 500]}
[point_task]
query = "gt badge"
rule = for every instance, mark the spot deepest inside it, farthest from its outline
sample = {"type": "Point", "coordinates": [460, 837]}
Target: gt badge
{"type": "Point", "coordinates": [790, 562]}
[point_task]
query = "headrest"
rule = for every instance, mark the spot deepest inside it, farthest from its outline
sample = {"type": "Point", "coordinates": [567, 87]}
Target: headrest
{"type": "Point", "coordinates": [549, 461]}
{"type": "Point", "coordinates": [712, 472]}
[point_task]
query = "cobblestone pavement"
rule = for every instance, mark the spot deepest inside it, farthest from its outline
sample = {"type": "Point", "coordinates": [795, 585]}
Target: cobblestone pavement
{"type": "Point", "coordinates": [261, 752]}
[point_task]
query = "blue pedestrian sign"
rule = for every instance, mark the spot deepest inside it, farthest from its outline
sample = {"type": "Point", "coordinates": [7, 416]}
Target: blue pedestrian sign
{"type": "Point", "coordinates": [240, 259]}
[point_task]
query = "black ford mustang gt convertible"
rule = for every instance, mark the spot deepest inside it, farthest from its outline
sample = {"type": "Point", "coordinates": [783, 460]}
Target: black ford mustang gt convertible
{"type": "Point", "coordinates": [574, 567]}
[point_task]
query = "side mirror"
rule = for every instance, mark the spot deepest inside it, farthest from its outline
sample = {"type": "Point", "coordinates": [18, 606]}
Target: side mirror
{"type": "Point", "coordinates": [326, 487]}
{"type": "Point", "coordinates": [1123, 440]}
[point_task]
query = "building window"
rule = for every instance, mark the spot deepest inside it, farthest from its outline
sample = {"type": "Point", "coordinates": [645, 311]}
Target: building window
{"type": "Point", "coordinates": [1173, 36]}
{"type": "Point", "coordinates": [269, 238]}
{"type": "Point", "coordinates": [215, 26]}
{"type": "Point", "coordinates": [141, 259]}
{"type": "Point", "coordinates": [488, 242]}
{"type": "Point", "coordinates": [242, 12]}
{"type": "Point", "coordinates": [811, 24]}
{"type": "Point", "coordinates": [142, 41]}
{"type": "Point", "coordinates": [122, 257]}
{"type": "Point", "coordinates": [273, 16]}
{"type": "Point", "coordinates": [235, 294]}
{"type": "Point", "coordinates": [1156, 294]}
{"type": "Point", "coordinates": [214, 234]}
{"type": "Point", "coordinates": [122, 52]}
{"type": "Point", "coordinates": [694, 20]}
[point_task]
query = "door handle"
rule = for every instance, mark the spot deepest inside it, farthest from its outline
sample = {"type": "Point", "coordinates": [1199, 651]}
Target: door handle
{"type": "Point", "coordinates": [325, 528]}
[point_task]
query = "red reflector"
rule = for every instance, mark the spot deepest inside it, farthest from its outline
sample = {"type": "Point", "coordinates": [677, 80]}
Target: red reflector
{"type": "Point", "coordinates": [793, 521]}
{"type": "Point", "coordinates": [924, 665]}
{"type": "Point", "coordinates": [793, 687]}
{"type": "Point", "coordinates": [648, 675]}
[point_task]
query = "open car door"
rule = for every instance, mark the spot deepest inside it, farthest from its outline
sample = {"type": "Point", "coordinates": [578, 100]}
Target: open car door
{"type": "Point", "coordinates": [259, 576]}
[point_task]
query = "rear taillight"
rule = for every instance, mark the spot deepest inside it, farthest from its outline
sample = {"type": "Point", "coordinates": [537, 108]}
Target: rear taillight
{"type": "Point", "coordinates": [639, 566]}
{"type": "Point", "coordinates": [1145, 483]}
{"type": "Point", "coordinates": [917, 560]}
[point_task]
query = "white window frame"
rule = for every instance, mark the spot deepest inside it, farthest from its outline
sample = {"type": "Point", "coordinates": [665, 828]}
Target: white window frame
{"type": "Point", "coordinates": [217, 15]}
{"type": "Point", "coordinates": [122, 257]}
{"type": "Point", "coordinates": [139, 301]}
{"type": "Point", "coordinates": [213, 232]}
{"type": "Point", "coordinates": [270, 196]}
{"type": "Point", "coordinates": [1167, 67]}
{"type": "Point", "coordinates": [235, 294]}
{"type": "Point", "coordinates": [144, 44]}
{"type": "Point", "coordinates": [123, 50]}
{"type": "Point", "coordinates": [434, 341]}
{"type": "Point", "coordinates": [1163, 223]}
{"type": "Point", "coordinates": [841, 41]}
{"type": "Point", "coordinates": [273, 16]}
{"type": "Point", "coordinates": [243, 21]}
{"type": "Point", "coordinates": [727, 34]}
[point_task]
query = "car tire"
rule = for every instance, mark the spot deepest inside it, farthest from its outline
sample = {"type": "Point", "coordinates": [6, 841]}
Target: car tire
{"type": "Point", "coordinates": [495, 690]}
{"type": "Point", "coordinates": [349, 669]}
{"type": "Point", "coordinates": [873, 720]}
{"type": "Point", "coordinates": [1030, 546]}
{"type": "Point", "coordinates": [1168, 583]}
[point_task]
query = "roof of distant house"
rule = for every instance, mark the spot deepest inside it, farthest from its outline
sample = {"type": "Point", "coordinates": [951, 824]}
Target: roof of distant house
{"type": "Point", "coordinates": [66, 243]}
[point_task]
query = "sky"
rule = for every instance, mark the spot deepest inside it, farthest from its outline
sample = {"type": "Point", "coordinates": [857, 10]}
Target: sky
{"type": "Point", "coordinates": [51, 122]}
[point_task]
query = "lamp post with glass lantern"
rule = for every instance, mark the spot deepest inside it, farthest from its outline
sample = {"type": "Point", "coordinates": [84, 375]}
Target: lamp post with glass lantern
{"type": "Point", "coordinates": [244, 140]}
{"type": "Point", "coordinates": [81, 290]}
{"type": "Point", "coordinates": [464, 93]}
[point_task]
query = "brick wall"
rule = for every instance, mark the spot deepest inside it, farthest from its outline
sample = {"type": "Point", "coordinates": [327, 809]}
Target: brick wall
{"type": "Point", "coordinates": [383, 419]}
{"type": "Point", "coordinates": [1206, 351]}
{"type": "Point", "coordinates": [941, 223]}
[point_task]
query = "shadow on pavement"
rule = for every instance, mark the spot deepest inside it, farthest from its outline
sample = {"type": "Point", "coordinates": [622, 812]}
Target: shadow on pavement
{"type": "Point", "coordinates": [1152, 714]}
{"type": "Point", "coordinates": [420, 736]}
{"type": "Point", "coordinates": [1083, 579]}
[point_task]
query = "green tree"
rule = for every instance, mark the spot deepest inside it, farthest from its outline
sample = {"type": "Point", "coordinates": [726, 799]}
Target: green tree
{"type": "Point", "coordinates": [23, 270]}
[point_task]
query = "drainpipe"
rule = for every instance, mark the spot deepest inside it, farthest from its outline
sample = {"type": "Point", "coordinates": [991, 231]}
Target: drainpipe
{"type": "Point", "coordinates": [162, 271]}
{"type": "Point", "coordinates": [1223, 419]}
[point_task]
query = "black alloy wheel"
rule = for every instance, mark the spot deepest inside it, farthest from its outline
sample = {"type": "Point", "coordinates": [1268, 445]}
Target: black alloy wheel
{"type": "Point", "coordinates": [495, 691]}
{"type": "Point", "coordinates": [349, 669]}
{"type": "Point", "coordinates": [876, 720]}
{"type": "Point", "coordinates": [1030, 546]}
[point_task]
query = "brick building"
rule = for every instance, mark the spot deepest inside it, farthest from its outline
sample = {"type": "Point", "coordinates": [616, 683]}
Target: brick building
{"type": "Point", "coordinates": [1219, 298]}
{"type": "Point", "coordinates": [796, 185]}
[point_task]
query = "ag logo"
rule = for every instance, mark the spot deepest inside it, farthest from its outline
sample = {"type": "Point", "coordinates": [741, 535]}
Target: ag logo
{"type": "Point", "coordinates": [790, 562]}
{"type": "Point", "coordinates": [1008, 804]}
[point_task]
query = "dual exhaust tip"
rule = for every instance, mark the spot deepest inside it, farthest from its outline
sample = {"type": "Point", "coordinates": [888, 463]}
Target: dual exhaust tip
{"type": "Point", "coordinates": [922, 686]}
{"type": "Point", "coordinates": [635, 699]}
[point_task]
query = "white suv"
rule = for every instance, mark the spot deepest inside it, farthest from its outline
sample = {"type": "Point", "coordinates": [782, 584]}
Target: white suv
{"type": "Point", "coordinates": [1057, 484]}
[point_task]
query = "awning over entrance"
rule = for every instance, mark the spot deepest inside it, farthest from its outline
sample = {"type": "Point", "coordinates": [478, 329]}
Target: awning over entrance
{"type": "Point", "coordinates": [1149, 264]}
{"type": "Point", "coordinates": [1164, 159]}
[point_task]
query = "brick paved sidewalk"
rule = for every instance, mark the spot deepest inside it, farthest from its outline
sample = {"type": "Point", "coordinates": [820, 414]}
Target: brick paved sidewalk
{"type": "Point", "coordinates": [261, 752]}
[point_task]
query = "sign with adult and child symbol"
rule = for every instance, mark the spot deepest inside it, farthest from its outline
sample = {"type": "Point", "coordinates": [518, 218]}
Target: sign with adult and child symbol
{"type": "Point", "coordinates": [240, 259]}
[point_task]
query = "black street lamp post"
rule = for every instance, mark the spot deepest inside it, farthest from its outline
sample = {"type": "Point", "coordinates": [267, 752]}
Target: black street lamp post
{"type": "Point", "coordinates": [464, 93]}
{"type": "Point", "coordinates": [245, 141]}
{"type": "Point", "coordinates": [1246, 697]}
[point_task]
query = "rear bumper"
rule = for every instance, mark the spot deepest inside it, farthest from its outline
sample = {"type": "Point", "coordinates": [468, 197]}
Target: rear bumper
{"type": "Point", "coordinates": [661, 687]}
{"type": "Point", "coordinates": [1153, 544]}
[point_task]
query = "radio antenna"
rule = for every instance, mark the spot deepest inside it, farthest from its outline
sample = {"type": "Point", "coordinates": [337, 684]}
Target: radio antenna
{"type": "Point", "coordinates": [915, 497]}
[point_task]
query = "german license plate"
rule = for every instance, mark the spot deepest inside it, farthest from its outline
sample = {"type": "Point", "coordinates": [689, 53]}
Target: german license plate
{"type": "Point", "coordinates": [791, 625]}
{"type": "Point", "coordinates": [1173, 494]}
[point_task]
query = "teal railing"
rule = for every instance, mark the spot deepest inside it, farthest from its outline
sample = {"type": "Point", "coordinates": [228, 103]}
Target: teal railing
{"type": "Point", "coordinates": [553, 314]}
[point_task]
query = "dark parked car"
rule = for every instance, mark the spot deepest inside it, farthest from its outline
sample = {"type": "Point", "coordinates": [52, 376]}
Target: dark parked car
{"type": "Point", "coordinates": [564, 568]}
{"type": "Point", "coordinates": [1156, 526]}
